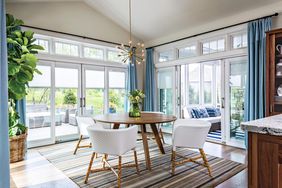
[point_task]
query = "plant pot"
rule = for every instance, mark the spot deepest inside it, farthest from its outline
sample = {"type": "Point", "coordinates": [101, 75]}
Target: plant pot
{"type": "Point", "coordinates": [17, 148]}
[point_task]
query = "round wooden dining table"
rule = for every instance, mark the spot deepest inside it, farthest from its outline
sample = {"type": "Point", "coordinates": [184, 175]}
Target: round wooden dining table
{"type": "Point", "coordinates": [151, 119]}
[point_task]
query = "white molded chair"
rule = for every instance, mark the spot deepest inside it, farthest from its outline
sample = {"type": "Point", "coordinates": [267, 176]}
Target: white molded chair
{"type": "Point", "coordinates": [192, 134]}
{"type": "Point", "coordinates": [112, 142]}
{"type": "Point", "coordinates": [83, 123]}
{"type": "Point", "coordinates": [159, 126]}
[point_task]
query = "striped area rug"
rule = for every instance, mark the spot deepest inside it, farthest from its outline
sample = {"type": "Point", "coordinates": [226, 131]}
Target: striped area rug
{"type": "Point", "coordinates": [187, 175]}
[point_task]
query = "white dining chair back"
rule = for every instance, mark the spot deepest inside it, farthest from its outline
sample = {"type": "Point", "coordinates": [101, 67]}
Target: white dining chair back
{"type": "Point", "coordinates": [190, 133]}
{"type": "Point", "coordinates": [113, 141]}
{"type": "Point", "coordinates": [83, 122]}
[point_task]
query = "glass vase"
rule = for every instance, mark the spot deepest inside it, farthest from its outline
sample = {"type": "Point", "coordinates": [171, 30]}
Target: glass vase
{"type": "Point", "coordinates": [134, 110]}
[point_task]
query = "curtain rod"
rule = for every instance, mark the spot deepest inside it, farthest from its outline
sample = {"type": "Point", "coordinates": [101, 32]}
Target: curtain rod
{"type": "Point", "coordinates": [206, 32]}
{"type": "Point", "coordinates": [74, 35]}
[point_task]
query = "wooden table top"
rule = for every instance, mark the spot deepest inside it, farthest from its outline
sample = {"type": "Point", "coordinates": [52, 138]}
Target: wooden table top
{"type": "Point", "coordinates": [146, 118]}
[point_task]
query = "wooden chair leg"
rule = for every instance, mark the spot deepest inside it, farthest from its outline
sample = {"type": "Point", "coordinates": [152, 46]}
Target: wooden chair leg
{"type": "Point", "coordinates": [172, 162]}
{"type": "Point", "coordinates": [136, 162]}
{"type": "Point", "coordinates": [94, 155]}
{"type": "Point", "coordinates": [105, 157]}
{"type": "Point", "coordinates": [119, 172]}
{"type": "Point", "coordinates": [77, 145]}
{"type": "Point", "coordinates": [162, 135]}
{"type": "Point", "coordinates": [205, 161]}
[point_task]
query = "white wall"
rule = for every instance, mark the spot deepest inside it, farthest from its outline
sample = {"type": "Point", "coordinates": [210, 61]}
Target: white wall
{"type": "Point", "coordinates": [240, 17]}
{"type": "Point", "coordinates": [71, 17]}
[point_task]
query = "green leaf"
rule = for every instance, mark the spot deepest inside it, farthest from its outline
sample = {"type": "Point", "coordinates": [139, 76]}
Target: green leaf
{"type": "Point", "coordinates": [24, 49]}
{"type": "Point", "coordinates": [18, 33]}
{"type": "Point", "coordinates": [25, 41]}
{"type": "Point", "coordinates": [24, 77]}
{"type": "Point", "coordinates": [30, 60]}
{"type": "Point", "coordinates": [37, 71]}
{"type": "Point", "coordinates": [28, 34]}
{"type": "Point", "coordinates": [11, 41]}
{"type": "Point", "coordinates": [20, 41]}
{"type": "Point", "coordinates": [36, 47]}
{"type": "Point", "coordinates": [18, 89]}
{"type": "Point", "coordinates": [13, 68]}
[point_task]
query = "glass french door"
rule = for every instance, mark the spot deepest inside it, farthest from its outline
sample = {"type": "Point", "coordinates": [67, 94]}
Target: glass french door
{"type": "Point", "coordinates": [38, 107]}
{"type": "Point", "coordinates": [166, 91]}
{"type": "Point", "coordinates": [67, 95]}
{"type": "Point", "coordinates": [103, 90]}
{"type": "Point", "coordinates": [235, 82]}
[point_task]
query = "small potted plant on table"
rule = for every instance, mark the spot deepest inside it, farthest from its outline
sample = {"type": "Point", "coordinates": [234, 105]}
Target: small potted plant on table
{"type": "Point", "coordinates": [135, 98]}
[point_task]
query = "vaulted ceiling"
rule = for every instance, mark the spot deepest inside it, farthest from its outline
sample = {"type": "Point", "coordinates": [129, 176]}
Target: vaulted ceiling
{"type": "Point", "coordinates": [153, 19]}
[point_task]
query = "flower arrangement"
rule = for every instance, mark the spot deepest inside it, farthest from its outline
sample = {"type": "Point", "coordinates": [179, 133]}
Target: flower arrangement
{"type": "Point", "coordinates": [135, 98]}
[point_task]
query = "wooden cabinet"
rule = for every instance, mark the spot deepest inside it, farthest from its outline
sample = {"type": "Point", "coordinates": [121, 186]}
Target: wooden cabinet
{"type": "Point", "coordinates": [264, 161]}
{"type": "Point", "coordinates": [274, 72]}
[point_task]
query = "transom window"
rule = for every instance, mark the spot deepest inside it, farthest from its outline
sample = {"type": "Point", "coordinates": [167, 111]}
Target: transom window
{"type": "Point", "coordinates": [166, 56]}
{"type": "Point", "coordinates": [91, 52]}
{"type": "Point", "coordinates": [213, 46]}
{"type": "Point", "coordinates": [239, 41]}
{"type": "Point", "coordinates": [113, 56]}
{"type": "Point", "coordinates": [66, 49]}
{"type": "Point", "coordinates": [188, 51]}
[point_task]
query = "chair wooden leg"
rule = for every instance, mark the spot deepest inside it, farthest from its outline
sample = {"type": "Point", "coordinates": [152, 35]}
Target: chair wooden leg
{"type": "Point", "coordinates": [105, 157]}
{"type": "Point", "coordinates": [162, 135]}
{"type": "Point", "coordinates": [172, 162]}
{"type": "Point", "coordinates": [136, 162]}
{"type": "Point", "coordinates": [77, 145]}
{"type": "Point", "coordinates": [119, 172]}
{"type": "Point", "coordinates": [94, 155]}
{"type": "Point", "coordinates": [205, 161]}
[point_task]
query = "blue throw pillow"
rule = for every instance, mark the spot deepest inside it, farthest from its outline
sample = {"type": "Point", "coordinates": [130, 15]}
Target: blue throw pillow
{"type": "Point", "coordinates": [196, 112]}
{"type": "Point", "coordinates": [204, 113]}
{"type": "Point", "coordinates": [218, 112]}
{"type": "Point", "coordinates": [190, 110]}
{"type": "Point", "coordinates": [211, 111]}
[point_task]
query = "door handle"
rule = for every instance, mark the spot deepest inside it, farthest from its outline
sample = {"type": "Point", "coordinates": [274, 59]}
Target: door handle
{"type": "Point", "coordinates": [80, 102]}
{"type": "Point", "coordinates": [84, 102]}
{"type": "Point", "coordinates": [222, 102]}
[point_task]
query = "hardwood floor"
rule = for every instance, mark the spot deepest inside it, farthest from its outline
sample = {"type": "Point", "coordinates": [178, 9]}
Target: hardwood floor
{"type": "Point", "coordinates": [36, 171]}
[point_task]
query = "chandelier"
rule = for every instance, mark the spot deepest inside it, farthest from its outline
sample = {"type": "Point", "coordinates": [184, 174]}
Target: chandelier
{"type": "Point", "coordinates": [131, 53]}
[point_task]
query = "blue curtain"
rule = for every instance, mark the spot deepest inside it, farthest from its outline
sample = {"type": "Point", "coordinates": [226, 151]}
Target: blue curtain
{"type": "Point", "coordinates": [132, 79]}
{"type": "Point", "coordinates": [21, 109]}
{"type": "Point", "coordinates": [4, 127]}
{"type": "Point", "coordinates": [255, 94]}
{"type": "Point", "coordinates": [150, 92]}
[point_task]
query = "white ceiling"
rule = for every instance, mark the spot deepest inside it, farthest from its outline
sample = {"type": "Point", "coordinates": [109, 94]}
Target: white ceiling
{"type": "Point", "coordinates": [157, 18]}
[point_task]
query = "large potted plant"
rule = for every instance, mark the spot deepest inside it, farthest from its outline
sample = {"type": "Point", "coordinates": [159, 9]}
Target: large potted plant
{"type": "Point", "coordinates": [21, 69]}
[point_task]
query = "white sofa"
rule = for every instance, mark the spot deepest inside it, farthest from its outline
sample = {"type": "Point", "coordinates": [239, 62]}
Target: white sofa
{"type": "Point", "coordinates": [215, 121]}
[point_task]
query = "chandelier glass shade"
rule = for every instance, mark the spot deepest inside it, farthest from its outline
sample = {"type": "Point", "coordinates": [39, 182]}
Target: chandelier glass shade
{"type": "Point", "coordinates": [131, 53]}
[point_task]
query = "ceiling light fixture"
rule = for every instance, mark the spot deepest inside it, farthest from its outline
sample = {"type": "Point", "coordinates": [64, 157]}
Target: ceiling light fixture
{"type": "Point", "coordinates": [131, 53]}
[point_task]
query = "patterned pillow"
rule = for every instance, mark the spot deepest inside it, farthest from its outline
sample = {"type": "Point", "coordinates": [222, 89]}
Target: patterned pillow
{"type": "Point", "coordinates": [204, 113]}
{"type": "Point", "coordinates": [196, 113]}
{"type": "Point", "coordinates": [218, 112]}
{"type": "Point", "coordinates": [211, 111]}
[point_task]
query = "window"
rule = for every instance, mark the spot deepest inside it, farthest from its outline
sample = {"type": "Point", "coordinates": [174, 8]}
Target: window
{"type": "Point", "coordinates": [44, 43]}
{"type": "Point", "coordinates": [116, 92]}
{"type": "Point", "coordinates": [239, 41]}
{"type": "Point", "coordinates": [94, 89]}
{"type": "Point", "coordinates": [66, 49]}
{"type": "Point", "coordinates": [188, 51]}
{"type": "Point", "coordinates": [166, 56]}
{"type": "Point", "coordinates": [194, 83]}
{"type": "Point", "coordinates": [95, 53]}
{"type": "Point", "coordinates": [113, 56]}
{"type": "Point", "coordinates": [208, 73]}
{"type": "Point", "coordinates": [213, 46]}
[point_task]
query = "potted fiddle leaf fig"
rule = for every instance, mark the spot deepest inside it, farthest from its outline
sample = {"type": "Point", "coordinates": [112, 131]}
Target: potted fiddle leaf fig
{"type": "Point", "coordinates": [22, 62]}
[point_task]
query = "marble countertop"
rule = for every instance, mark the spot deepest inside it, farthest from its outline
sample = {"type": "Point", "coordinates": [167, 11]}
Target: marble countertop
{"type": "Point", "coordinates": [270, 125]}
